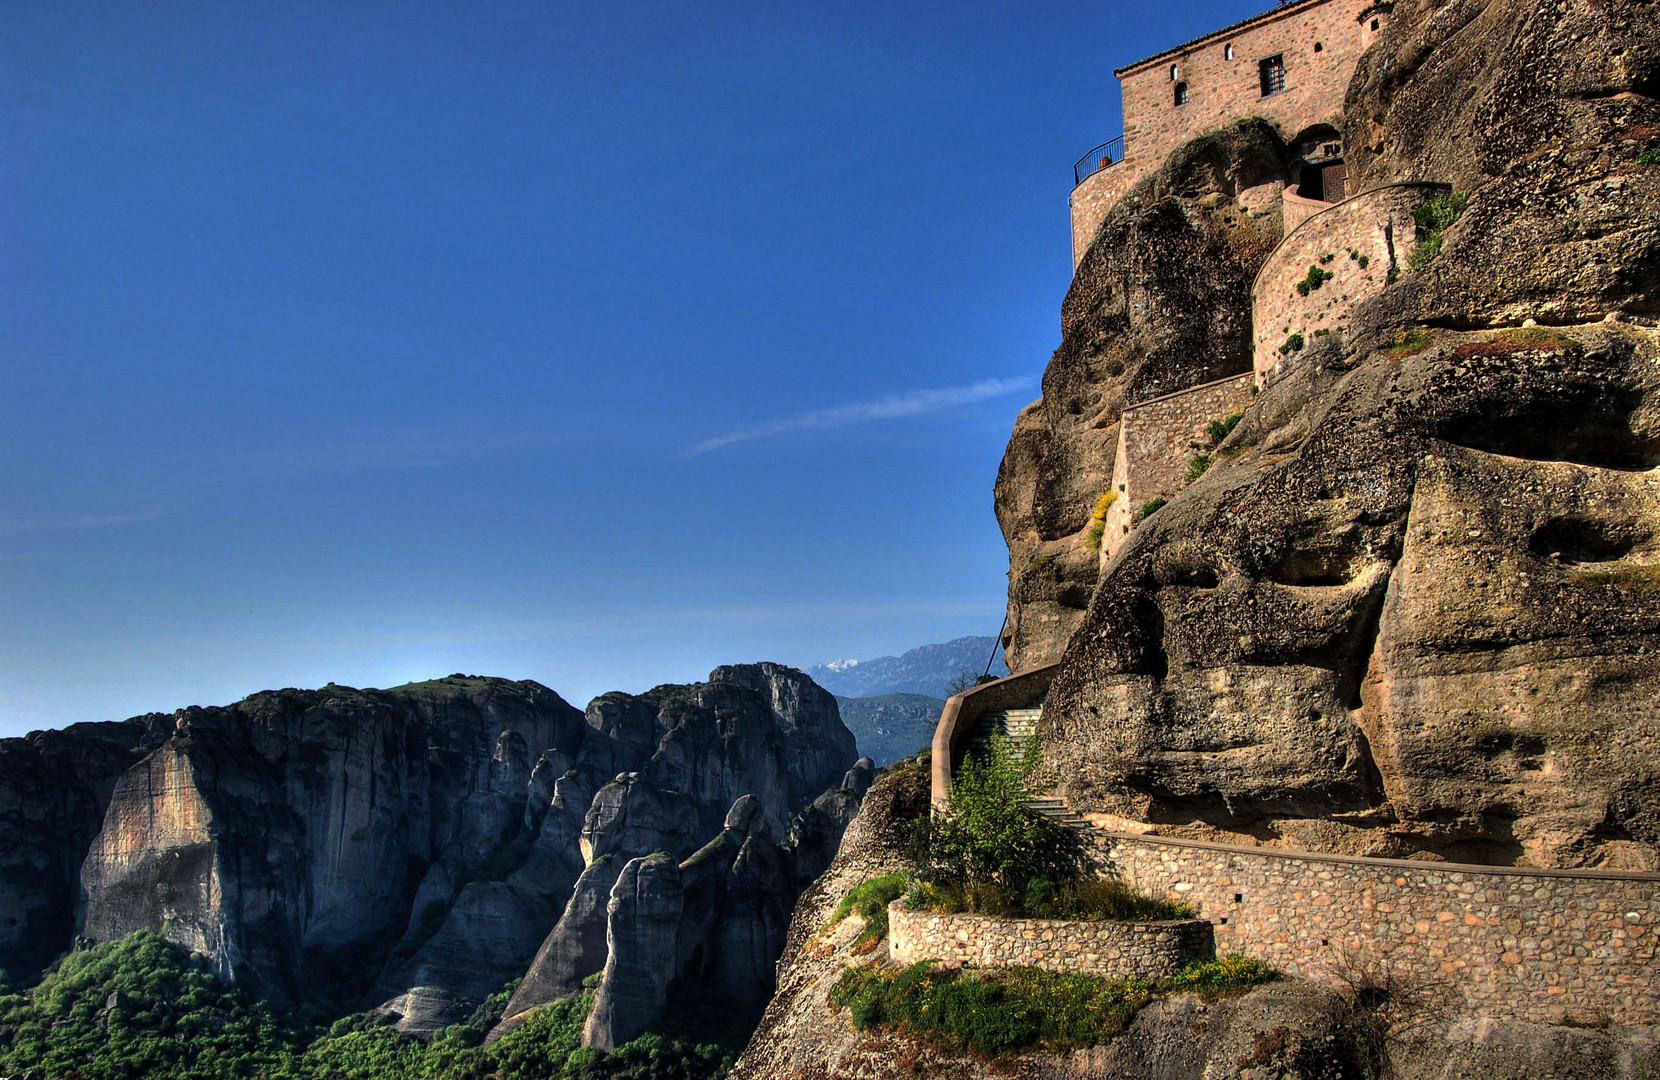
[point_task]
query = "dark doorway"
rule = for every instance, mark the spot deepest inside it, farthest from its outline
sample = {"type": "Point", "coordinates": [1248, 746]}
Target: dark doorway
{"type": "Point", "coordinates": [1311, 183]}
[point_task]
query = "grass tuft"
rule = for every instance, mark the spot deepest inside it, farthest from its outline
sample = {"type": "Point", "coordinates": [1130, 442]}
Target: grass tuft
{"type": "Point", "coordinates": [870, 899]}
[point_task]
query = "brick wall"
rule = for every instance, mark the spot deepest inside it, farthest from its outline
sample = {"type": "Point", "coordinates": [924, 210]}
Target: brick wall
{"type": "Point", "coordinates": [1376, 225]}
{"type": "Point", "coordinates": [1156, 447]}
{"type": "Point", "coordinates": [1113, 950]}
{"type": "Point", "coordinates": [1543, 945]}
{"type": "Point", "coordinates": [1221, 90]}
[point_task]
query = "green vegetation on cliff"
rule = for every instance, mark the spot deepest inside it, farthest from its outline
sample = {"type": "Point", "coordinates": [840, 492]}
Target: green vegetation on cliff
{"type": "Point", "coordinates": [1008, 1009]}
{"type": "Point", "coordinates": [140, 1007]}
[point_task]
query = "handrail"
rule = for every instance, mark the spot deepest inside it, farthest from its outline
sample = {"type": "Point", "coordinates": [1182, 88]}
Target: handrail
{"type": "Point", "coordinates": [1104, 156]}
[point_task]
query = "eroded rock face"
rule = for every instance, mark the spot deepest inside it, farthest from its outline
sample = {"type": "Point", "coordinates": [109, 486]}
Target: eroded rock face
{"type": "Point", "coordinates": [54, 786]}
{"type": "Point", "coordinates": [1410, 611]}
{"type": "Point", "coordinates": [642, 939]}
{"type": "Point", "coordinates": [294, 835]}
{"type": "Point", "coordinates": [1160, 303]}
{"type": "Point", "coordinates": [284, 833]}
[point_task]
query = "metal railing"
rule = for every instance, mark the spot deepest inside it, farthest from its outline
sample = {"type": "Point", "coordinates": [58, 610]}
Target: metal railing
{"type": "Point", "coordinates": [1108, 153]}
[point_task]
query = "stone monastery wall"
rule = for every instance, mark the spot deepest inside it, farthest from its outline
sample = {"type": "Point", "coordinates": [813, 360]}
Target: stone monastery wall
{"type": "Point", "coordinates": [1319, 42]}
{"type": "Point", "coordinates": [1544, 945]}
{"type": "Point", "coordinates": [1357, 241]}
{"type": "Point", "coordinates": [1156, 446]}
{"type": "Point", "coordinates": [1114, 950]}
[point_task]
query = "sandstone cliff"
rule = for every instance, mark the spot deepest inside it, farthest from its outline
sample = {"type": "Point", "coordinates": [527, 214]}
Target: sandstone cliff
{"type": "Point", "coordinates": [1410, 611]}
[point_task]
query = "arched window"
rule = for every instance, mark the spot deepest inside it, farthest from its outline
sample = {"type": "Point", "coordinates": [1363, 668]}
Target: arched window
{"type": "Point", "coordinates": [1175, 72]}
{"type": "Point", "coordinates": [1181, 93]}
{"type": "Point", "coordinates": [1227, 52]}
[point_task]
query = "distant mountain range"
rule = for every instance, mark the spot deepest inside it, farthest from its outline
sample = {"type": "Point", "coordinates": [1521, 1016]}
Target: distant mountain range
{"type": "Point", "coordinates": [926, 670]}
{"type": "Point", "coordinates": [891, 726]}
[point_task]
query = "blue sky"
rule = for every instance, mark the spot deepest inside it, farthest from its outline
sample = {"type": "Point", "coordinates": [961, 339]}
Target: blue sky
{"type": "Point", "coordinates": [597, 344]}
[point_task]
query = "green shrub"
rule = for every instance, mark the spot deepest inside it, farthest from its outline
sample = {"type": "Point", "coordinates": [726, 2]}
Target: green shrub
{"type": "Point", "coordinates": [1432, 218]}
{"type": "Point", "coordinates": [1098, 518]}
{"type": "Point", "coordinates": [1008, 1009]}
{"type": "Point", "coordinates": [1104, 900]}
{"type": "Point", "coordinates": [1651, 156]}
{"type": "Point", "coordinates": [1217, 430]}
{"type": "Point", "coordinates": [1408, 343]}
{"type": "Point", "coordinates": [1225, 974]}
{"type": "Point", "coordinates": [1644, 577]}
{"type": "Point", "coordinates": [1294, 343]}
{"type": "Point", "coordinates": [1198, 467]}
{"type": "Point", "coordinates": [1150, 507]}
{"type": "Point", "coordinates": [988, 834]}
{"type": "Point", "coordinates": [1316, 278]}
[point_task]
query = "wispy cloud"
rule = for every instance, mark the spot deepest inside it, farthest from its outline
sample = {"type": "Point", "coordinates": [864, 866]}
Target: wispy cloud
{"type": "Point", "coordinates": [890, 407]}
{"type": "Point", "coordinates": [16, 524]}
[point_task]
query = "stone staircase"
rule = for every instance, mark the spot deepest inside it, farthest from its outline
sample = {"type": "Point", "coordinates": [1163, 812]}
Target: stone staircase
{"type": "Point", "coordinates": [1017, 724]}
{"type": "Point", "coordinates": [1056, 810]}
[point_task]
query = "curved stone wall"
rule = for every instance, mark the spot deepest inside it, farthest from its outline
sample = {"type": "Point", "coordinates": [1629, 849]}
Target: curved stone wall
{"type": "Point", "coordinates": [1357, 242]}
{"type": "Point", "coordinates": [1114, 950]}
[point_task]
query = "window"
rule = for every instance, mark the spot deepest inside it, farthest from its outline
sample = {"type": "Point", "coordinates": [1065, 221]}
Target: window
{"type": "Point", "coordinates": [1319, 47]}
{"type": "Point", "coordinates": [1227, 52]}
{"type": "Point", "coordinates": [1272, 71]}
{"type": "Point", "coordinates": [1175, 72]}
{"type": "Point", "coordinates": [1181, 93]}
{"type": "Point", "coordinates": [1374, 24]}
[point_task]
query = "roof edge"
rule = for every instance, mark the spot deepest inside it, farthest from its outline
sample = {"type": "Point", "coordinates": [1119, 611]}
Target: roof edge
{"type": "Point", "coordinates": [1188, 46]}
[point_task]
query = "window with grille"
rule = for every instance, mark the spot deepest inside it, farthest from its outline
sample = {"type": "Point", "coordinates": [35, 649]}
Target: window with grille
{"type": "Point", "coordinates": [1181, 93]}
{"type": "Point", "coordinates": [1273, 75]}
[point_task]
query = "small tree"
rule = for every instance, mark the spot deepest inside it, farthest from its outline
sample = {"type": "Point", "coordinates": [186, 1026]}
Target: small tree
{"type": "Point", "coordinates": [989, 834]}
{"type": "Point", "coordinates": [961, 681]}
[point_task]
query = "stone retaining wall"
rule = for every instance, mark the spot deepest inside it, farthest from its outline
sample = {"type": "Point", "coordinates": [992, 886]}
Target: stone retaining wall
{"type": "Point", "coordinates": [1374, 228]}
{"type": "Point", "coordinates": [1114, 950]}
{"type": "Point", "coordinates": [1156, 446]}
{"type": "Point", "coordinates": [1544, 945]}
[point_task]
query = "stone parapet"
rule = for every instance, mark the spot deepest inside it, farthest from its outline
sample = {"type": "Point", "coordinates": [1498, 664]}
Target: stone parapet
{"type": "Point", "coordinates": [1542, 945]}
{"type": "Point", "coordinates": [1114, 950]}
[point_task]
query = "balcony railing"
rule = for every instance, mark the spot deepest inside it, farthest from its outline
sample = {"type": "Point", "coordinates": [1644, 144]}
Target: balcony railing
{"type": "Point", "coordinates": [1108, 153]}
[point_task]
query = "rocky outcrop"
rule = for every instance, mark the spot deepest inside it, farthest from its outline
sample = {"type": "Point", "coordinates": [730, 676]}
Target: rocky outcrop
{"type": "Point", "coordinates": [736, 893]}
{"type": "Point", "coordinates": [418, 845]}
{"type": "Point", "coordinates": [1161, 302]}
{"type": "Point", "coordinates": [1293, 1029]}
{"type": "Point", "coordinates": [642, 939]}
{"type": "Point", "coordinates": [286, 835]}
{"type": "Point", "coordinates": [54, 786]}
{"type": "Point", "coordinates": [1410, 612]}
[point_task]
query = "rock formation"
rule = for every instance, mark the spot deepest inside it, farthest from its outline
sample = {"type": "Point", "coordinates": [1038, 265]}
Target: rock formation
{"type": "Point", "coordinates": [1410, 610]}
{"type": "Point", "coordinates": [54, 786]}
{"type": "Point", "coordinates": [418, 845]}
{"type": "Point", "coordinates": [1161, 302]}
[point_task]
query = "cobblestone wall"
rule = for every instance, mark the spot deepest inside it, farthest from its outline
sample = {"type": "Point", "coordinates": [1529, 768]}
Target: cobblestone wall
{"type": "Point", "coordinates": [1115, 950]}
{"type": "Point", "coordinates": [1544, 945]}
{"type": "Point", "coordinates": [1357, 242]}
{"type": "Point", "coordinates": [1156, 448]}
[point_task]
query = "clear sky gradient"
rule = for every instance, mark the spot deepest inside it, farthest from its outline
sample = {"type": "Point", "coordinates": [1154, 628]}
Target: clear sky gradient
{"type": "Point", "coordinates": [596, 344]}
